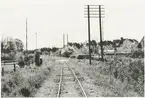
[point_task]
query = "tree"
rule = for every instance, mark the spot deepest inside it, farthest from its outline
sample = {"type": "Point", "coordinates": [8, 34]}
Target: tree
{"type": "Point", "coordinates": [19, 44]}
{"type": "Point", "coordinates": [70, 44]}
{"type": "Point", "coordinates": [54, 49]}
{"type": "Point", "coordinates": [45, 49]}
{"type": "Point", "coordinates": [93, 42]}
{"type": "Point", "coordinates": [9, 44]}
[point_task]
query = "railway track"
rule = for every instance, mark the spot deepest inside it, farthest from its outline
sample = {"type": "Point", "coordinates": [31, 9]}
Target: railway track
{"type": "Point", "coordinates": [68, 75]}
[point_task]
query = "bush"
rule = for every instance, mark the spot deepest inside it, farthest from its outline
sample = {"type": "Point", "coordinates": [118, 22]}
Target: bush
{"type": "Point", "coordinates": [67, 52]}
{"type": "Point", "coordinates": [137, 54]}
{"type": "Point", "coordinates": [7, 57]}
{"type": "Point", "coordinates": [24, 82]}
{"type": "Point", "coordinates": [83, 56]}
{"type": "Point", "coordinates": [73, 56]}
{"type": "Point", "coordinates": [130, 70]}
{"type": "Point", "coordinates": [80, 57]}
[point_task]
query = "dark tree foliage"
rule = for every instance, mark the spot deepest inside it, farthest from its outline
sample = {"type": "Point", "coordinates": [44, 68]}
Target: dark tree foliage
{"type": "Point", "coordinates": [45, 49]}
{"type": "Point", "coordinates": [70, 44]}
{"type": "Point", "coordinates": [30, 51]}
{"type": "Point", "coordinates": [107, 43]}
{"type": "Point", "coordinates": [54, 49]}
{"type": "Point", "coordinates": [78, 45]}
{"type": "Point", "coordinates": [93, 42]}
{"type": "Point", "coordinates": [9, 44]}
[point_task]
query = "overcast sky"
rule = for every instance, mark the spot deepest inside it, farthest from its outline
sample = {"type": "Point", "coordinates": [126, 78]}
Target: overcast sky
{"type": "Point", "coordinates": [51, 18]}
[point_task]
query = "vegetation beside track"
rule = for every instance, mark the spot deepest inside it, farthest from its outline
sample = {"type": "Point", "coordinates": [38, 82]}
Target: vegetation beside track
{"type": "Point", "coordinates": [24, 82]}
{"type": "Point", "coordinates": [123, 76]}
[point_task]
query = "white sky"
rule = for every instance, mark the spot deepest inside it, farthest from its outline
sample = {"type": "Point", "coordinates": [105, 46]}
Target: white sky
{"type": "Point", "coordinates": [51, 18]}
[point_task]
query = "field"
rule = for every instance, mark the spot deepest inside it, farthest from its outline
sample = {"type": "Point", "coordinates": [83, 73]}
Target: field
{"type": "Point", "coordinates": [118, 76]}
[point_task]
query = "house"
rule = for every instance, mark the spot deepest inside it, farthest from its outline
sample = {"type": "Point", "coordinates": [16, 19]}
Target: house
{"type": "Point", "coordinates": [140, 46]}
{"type": "Point", "coordinates": [127, 45]}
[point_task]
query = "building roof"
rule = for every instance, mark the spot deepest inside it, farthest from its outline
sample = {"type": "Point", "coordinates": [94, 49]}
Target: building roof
{"type": "Point", "coordinates": [141, 43]}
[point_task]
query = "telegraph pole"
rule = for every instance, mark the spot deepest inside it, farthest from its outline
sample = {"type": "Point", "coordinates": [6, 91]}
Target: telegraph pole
{"type": "Point", "coordinates": [92, 12]}
{"type": "Point", "coordinates": [101, 44]}
{"type": "Point", "coordinates": [26, 37]}
{"type": "Point", "coordinates": [89, 34]}
{"type": "Point", "coordinates": [26, 44]}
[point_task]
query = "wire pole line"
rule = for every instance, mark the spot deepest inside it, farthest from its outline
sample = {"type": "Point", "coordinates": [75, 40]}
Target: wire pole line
{"type": "Point", "coordinates": [89, 33]}
{"type": "Point", "coordinates": [26, 43]}
{"type": "Point", "coordinates": [93, 5]}
{"type": "Point", "coordinates": [26, 36]}
{"type": "Point", "coordinates": [101, 44]}
{"type": "Point", "coordinates": [92, 12]}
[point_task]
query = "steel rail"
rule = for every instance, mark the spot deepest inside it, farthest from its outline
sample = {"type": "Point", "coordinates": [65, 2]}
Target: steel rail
{"type": "Point", "coordinates": [60, 82]}
{"type": "Point", "coordinates": [77, 80]}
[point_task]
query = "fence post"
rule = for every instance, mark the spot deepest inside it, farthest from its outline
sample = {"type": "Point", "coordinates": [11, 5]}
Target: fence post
{"type": "Point", "coordinates": [14, 67]}
{"type": "Point", "coordinates": [2, 71]}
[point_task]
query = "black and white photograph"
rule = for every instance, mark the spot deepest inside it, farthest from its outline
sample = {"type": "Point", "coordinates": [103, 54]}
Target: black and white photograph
{"type": "Point", "coordinates": [72, 48]}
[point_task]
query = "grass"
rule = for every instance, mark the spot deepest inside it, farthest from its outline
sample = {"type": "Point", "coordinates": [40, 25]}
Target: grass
{"type": "Point", "coordinates": [24, 82]}
{"type": "Point", "coordinates": [123, 76]}
{"type": "Point", "coordinates": [128, 71]}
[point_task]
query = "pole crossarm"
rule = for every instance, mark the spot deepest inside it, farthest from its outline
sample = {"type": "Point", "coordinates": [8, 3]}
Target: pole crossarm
{"type": "Point", "coordinates": [94, 5]}
{"type": "Point", "coordinates": [94, 8]}
{"type": "Point", "coordinates": [94, 14]}
{"type": "Point", "coordinates": [94, 11]}
{"type": "Point", "coordinates": [94, 17]}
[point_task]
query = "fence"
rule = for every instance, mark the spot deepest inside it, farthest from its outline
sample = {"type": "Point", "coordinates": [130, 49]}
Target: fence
{"type": "Point", "coordinates": [7, 63]}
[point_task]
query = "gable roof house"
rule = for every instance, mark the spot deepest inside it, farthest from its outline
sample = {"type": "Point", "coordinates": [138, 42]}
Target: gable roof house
{"type": "Point", "coordinates": [126, 45]}
{"type": "Point", "coordinates": [141, 45]}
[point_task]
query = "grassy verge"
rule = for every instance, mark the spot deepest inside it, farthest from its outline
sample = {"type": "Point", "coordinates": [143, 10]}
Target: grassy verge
{"type": "Point", "coordinates": [123, 76]}
{"type": "Point", "coordinates": [24, 82]}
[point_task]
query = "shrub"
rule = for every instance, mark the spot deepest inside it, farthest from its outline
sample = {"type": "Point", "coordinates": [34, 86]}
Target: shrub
{"type": "Point", "coordinates": [137, 54]}
{"type": "Point", "coordinates": [67, 52]}
{"type": "Point", "coordinates": [25, 92]}
{"type": "Point", "coordinates": [24, 82]}
{"type": "Point", "coordinates": [130, 70]}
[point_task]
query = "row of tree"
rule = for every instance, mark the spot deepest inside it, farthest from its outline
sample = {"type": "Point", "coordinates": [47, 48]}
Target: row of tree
{"type": "Point", "coordinates": [10, 44]}
{"type": "Point", "coordinates": [114, 43]}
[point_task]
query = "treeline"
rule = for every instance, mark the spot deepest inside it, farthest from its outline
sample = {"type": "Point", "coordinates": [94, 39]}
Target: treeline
{"type": "Point", "coordinates": [93, 43]}
{"type": "Point", "coordinates": [114, 43]}
{"type": "Point", "coordinates": [44, 49]}
{"type": "Point", "coordinates": [78, 45]}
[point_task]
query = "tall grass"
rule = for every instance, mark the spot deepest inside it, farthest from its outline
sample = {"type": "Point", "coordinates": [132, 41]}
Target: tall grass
{"type": "Point", "coordinates": [128, 70]}
{"type": "Point", "coordinates": [24, 82]}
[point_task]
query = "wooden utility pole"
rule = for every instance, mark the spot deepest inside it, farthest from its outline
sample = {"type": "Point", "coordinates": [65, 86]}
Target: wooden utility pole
{"type": "Point", "coordinates": [92, 12]}
{"type": "Point", "coordinates": [26, 44]}
{"type": "Point", "coordinates": [101, 44]}
{"type": "Point", "coordinates": [89, 34]}
{"type": "Point", "coordinates": [26, 36]}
